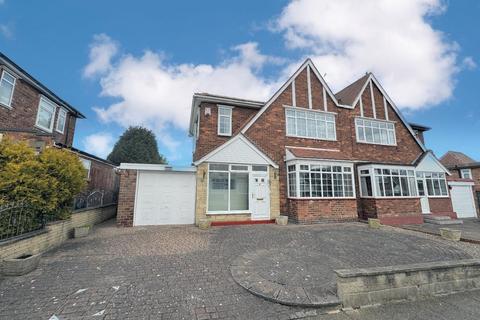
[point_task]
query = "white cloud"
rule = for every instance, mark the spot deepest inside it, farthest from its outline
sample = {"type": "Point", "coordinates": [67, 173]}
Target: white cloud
{"type": "Point", "coordinates": [393, 39]}
{"type": "Point", "coordinates": [156, 94]}
{"type": "Point", "coordinates": [99, 144]}
{"type": "Point", "coordinates": [102, 50]}
{"type": "Point", "coordinates": [469, 64]}
{"type": "Point", "coordinates": [6, 31]}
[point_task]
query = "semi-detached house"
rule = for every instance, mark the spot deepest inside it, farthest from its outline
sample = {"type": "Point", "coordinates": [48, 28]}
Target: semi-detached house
{"type": "Point", "coordinates": [313, 155]}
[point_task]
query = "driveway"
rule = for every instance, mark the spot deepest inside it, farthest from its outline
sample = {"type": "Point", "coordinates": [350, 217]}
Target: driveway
{"type": "Point", "coordinates": [181, 272]}
{"type": "Point", "coordinates": [470, 229]}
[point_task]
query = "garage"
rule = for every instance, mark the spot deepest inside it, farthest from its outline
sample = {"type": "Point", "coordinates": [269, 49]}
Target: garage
{"type": "Point", "coordinates": [157, 194]}
{"type": "Point", "coordinates": [463, 201]}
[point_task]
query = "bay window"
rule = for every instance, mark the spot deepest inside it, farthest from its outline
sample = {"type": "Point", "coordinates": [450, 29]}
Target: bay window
{"type": "Point", "coordinates": [320, 180]}
{"type": "Point", "coordinates": [382, 182]}
{"type": "Point", "coordinates": [375, 131]}
{"type": "Point", "coordinates": [310, 124]}
{"type": "Point", "coordinates": [432, 184]}
{"type": "Point", "coordinates": [228, 188]}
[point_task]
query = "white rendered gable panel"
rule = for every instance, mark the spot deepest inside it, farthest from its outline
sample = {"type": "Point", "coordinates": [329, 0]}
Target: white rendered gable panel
{"type": "Point", "coordinates": [238, 152]}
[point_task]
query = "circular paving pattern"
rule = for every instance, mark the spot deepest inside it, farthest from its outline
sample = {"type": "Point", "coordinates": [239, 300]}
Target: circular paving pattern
{"type": "Point", "coordinates": [298, 269]}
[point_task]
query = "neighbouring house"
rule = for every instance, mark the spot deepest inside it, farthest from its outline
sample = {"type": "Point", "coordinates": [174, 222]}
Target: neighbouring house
{"type": "Point", "coordinates": [31, 112]}
{"type": "Point", "coordinates": [306, 153]}
{"type": "Point", "coordinates": [463, 167]}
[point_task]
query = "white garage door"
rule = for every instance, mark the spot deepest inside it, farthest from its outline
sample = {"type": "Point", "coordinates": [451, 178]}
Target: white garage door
{"type": "Point", "coordinates": [463, 201]}
{"type": "Point", "coordinates": [164, 198]}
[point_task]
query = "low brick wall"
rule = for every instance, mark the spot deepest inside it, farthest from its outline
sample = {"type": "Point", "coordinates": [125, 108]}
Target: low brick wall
{"type": "Point", "coordinates": [442, 207]}
{"type": "Point", "coordinates": [392, 211]}
{"type": "Point", "coordinates": [307, 211]}
{"type": "Point", "coordinates": [56, 233]}
{"type": "Point", "coordinates": [374, 286]}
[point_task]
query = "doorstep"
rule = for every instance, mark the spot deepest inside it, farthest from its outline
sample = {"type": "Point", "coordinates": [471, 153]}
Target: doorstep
{"type": "Point", "coordinates": [237, 223]}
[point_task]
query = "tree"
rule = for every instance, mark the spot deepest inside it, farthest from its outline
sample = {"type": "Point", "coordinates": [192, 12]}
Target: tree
{"type": "Point", "coordinates": [136, 145]}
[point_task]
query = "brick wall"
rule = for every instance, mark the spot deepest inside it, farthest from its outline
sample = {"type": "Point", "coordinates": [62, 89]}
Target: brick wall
{"type": "Point", "coordinates": [126, 197]}
{"type": "Point", "coordinates": [392, 211]}
{"type": "Point", "coordinates": [441, 206]}
{"type": "Point", "coordinates": [56, 233]}
{"type": "Point", "coordinates": [209, 139]}
{"type": "Point", "coordinates": [320, 210]}
{"type": "Point", "coordinates": [23, 113]}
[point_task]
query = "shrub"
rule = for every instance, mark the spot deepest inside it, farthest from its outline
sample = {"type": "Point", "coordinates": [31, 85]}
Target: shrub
{"type": "Point", "coordinates": [48, 181]}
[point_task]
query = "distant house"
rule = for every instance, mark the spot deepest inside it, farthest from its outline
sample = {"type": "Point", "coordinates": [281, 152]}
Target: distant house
{"type": "Point", "coordinates": [464, 167]}
{"type": "Point", "coordinates": [31, 112]}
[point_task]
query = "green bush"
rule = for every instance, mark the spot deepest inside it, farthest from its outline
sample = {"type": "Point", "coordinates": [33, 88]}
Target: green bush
{"type": "Point", "coordinates": [48, 181]}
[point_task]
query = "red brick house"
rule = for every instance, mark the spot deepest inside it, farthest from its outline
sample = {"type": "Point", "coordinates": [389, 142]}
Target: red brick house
{"type": "Point", "coordinates": [462, 166]}
{"type": "Point", "coordinates": [313, 155]}
{"type": "Point", "coordinates": [30, 111]}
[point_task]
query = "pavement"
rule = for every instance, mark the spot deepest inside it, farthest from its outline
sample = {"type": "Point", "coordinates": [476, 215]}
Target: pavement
{"type": "Point", "coordinates": [470, 229]}
{"type": "Point", "coordinates": [181, 272]}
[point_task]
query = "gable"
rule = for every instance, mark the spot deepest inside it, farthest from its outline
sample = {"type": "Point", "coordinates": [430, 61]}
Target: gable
{"type": "Point", "coordinates": [237, 150]}
{"type": "Point", "coordinates": [430, 163]}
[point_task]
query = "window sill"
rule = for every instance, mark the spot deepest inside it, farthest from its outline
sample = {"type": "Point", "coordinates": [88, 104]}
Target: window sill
{"type": "Point", "coordinates": [43, 129]}
{"type": "Point", "coordinates": [61, 132]}
{"type": "Point", "coordinates": [6, 106]}
{"type": "Point", "coordinates": [224, 134]}
{"type": "Point", "coordinates": [390, 198]}
{"type": "Point", "coordinates": [309, 138]}
{"type": "Point", "coordinates": [377, 144]}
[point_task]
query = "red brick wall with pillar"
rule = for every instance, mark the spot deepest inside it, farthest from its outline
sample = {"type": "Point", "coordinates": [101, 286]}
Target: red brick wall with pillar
{"type": "Point", "coordinates": [319, 210]}
{"type": "Point", "coordinates": [442, 207]}
{"type": "Point", "coordinates": [126, 198]}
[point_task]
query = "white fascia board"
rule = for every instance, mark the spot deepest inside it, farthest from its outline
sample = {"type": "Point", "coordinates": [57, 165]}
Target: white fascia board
{"type": "Point", "coordinates": [397, 111]}
{"type": "Point", "coordinates": [232, 140]}
{"type": "Point", "coordinates": [155, 167]}
{"type": "Point", "coordinates": [460, 183]}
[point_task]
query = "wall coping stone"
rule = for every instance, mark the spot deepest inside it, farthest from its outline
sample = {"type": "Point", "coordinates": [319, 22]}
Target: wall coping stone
{"type": "Point", "coordinates": [23, 237]}
{"type": "Point", "coordinates": [93, 208]}
{"type": "Point", "coordinates": [356, 272]}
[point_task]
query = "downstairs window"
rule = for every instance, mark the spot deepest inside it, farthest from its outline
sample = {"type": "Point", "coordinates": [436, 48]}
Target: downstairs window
{"type": "Point", "coordinates": [381, 182]}
{"type": "Point", "coordinates": [228, 188]}
{"type": "Point", "coordinates": [316, 180]}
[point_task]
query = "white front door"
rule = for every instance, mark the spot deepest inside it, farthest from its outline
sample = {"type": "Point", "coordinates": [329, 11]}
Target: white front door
{"type": "Point", "coordinates": [425, 205]}
{"type": "Point", "coordinates": [259, 196]}
{"type": "Point", "coordinates": [423, 194]}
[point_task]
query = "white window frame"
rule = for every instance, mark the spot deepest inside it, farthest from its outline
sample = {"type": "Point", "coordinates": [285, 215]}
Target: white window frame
{"type": "Point", "coordinates": [297, 171]}
{"type": "Point", "coordinates": [61, 113]}
{"type": "Point", "coordinates": [469, 172]}
{"type": "Point", "coordinates": [87, 164]}
{"type": "Point", "coordinates": [311, 111]}
{"type": "Point", "coordinates": [2, 78]}
{"type": "Point", "coordinates": [373, 177]}
{"type": "Point", "coordinates": [230, 170]}
{"type": "Point", "coordinates": [424, 179]}
{"type": "Point", "coordinates": [53, 105]}
{"type": "Point", "coordinates": [379, 121]}
{"type": "Point", "coordinates": [230, 110]}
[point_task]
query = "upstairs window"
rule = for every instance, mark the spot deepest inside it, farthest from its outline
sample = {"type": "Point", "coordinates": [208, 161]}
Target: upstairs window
{"type": "Point", "coordinates": [375, 132]}
{"type": "Point", "coordinates": [310, 124]}
{"type": "Point", "coordinates": [224, 121]}
{"type": "Point", "coordinates": [46, 114]}
{"type": "Point", "coordinates": [466, 174]}
{"type": "Point", "coordinates": [7, 83]}
{"type": "Point", "coordinates": [61, 120]}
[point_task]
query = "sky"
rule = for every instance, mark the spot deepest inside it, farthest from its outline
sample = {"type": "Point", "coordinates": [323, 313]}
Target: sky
{"type": "Point", "coordinates": [125, 63]}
